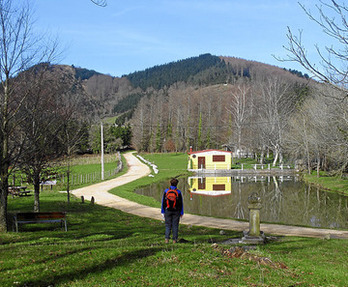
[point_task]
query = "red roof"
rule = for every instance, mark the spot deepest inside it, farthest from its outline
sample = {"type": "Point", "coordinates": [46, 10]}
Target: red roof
{"type": "Point", "coordinates": [208, 150]}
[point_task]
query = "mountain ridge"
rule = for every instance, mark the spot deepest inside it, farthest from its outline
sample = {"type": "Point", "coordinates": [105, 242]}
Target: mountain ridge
{"type": "Point", "coordinates": [115, 96]}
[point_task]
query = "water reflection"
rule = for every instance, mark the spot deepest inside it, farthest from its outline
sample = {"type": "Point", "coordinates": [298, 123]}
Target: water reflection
{"type": "Point", "coordinates": [284, 199]}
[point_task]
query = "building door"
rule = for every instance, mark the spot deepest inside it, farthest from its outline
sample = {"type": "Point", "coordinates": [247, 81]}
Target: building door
{"type": "Point", "coordinates": [201, 162]}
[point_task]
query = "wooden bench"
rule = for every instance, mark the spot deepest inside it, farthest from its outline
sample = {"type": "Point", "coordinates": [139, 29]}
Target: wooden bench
{"type": "Point", "coordinates": [18, 191]}
{"type": "Point", "coordinates": [24, 192]}
{"type": "Point", "coordinates": [40, 217]}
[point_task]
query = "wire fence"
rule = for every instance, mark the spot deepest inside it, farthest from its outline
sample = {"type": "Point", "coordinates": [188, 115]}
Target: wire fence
{"type": "Point", "coordinates": [87, 178]}
{"type": "Point", "coordinates": [61, 178]}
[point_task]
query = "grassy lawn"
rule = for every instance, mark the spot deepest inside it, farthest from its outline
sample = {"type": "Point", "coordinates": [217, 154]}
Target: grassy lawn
{"type": "Point", "coordinates": [106, 247]}
{"type": "Point", "coordinates": [80, 167]}
{"type": "Point", "coordinates": [328, 182]}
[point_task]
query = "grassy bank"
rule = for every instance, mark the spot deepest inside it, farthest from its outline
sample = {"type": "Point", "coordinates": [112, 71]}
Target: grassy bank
{"type": "Point", "coordinates": [106, 247]}
{"type": "Point", "coordinates": [332, 183]}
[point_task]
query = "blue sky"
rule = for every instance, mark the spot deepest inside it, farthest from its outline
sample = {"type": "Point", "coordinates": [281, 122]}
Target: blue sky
{"type": "Point", "coordinates": [133, 35]}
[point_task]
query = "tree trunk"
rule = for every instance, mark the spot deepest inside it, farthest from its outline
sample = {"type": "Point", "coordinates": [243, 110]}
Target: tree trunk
{"type": "Point", "coordinates": [309, 163]}
{"type": "Point", "coordinates": [239, 140]}
{"type": "Point", "coordinates": [37, 200]}
{"type": "Point", "coordinates": [275, 157]}
{"type": "Point", "coordinates": [3, 208]}
{"type": "Point", "coordinates": [262, 155]}
{"type": "Point", "coordinates": [4, 168]}
{"type": "Point", "coordinates": [37, 193]}
{"type": "Point", "coordinates": [318, 166]}
{"type": "Point", "coordinates": [281, 157]}
{"type": "Point", "coordinates": [68, 183]}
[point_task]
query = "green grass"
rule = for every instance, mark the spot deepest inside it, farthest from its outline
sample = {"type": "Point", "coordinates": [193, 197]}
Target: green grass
{"type": "Point", "coordinates": [81, 166]}
{"type": "Point", "coordinates": [170, 165]}
{"type": "Point", "coordinates": [248, 163]}
{"type": "Point", "coordinates": [333, 183]}
{"type": "Point", "coordinates": [106, 247]}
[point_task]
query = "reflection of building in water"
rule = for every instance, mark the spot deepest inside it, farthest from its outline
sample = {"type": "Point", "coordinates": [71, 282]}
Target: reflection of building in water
{"type": "Point", "coordinates": [210, 186]}
{"type": "Point", "coordinates": [217, 186]}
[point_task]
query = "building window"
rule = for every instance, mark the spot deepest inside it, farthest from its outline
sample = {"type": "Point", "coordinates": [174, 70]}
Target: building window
{"type": "Point", "coordinates": [218, 187]}
{"type": "Point", "coordinates": [218, 158]}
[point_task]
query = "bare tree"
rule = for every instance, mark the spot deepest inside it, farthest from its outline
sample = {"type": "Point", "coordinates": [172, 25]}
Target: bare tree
{"type": "Point", "coordinates": [298, 140]}
{"type": "Point", "coordinates": [240, 109]}
{"type": "Point", "coordinates": [19, 49]}
{"type": "Point", "coordinates": [331, 68]}
{"type": "Point", "coordinates": [71, 136]}
{"type": "Point", "coordinates": [101, 3]}
{"type": "Point", "coordinates": [48, 111]}
{"type": "Point", "coordinates": [318, 132]}
{"type": "Point", "coordinates": [331, 16]}
{"type": "Point", "coordinates": [274, 105]}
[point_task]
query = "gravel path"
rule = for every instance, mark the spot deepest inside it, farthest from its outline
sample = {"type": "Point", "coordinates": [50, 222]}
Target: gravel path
{"type": "Point", "coordinates": [136, 170]}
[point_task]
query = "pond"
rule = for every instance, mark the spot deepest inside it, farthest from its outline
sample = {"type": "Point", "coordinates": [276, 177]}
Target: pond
{"type": "Point", "coordinates": [285, 199]}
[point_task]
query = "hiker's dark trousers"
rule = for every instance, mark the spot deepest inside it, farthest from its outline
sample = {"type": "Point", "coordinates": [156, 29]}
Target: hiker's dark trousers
{"type": "Point", "coordinates": [172, 219]}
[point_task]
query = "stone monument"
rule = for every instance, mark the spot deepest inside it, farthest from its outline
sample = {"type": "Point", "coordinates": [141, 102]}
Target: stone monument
{"type": "Point", "coordinates": [254, 235]}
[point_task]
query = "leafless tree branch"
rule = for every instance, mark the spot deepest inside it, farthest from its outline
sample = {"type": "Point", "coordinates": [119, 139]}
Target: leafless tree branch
{"type": "Point", "coordinates": [101, 3]}
{"type": "Point", "coordinates": [332, 67]}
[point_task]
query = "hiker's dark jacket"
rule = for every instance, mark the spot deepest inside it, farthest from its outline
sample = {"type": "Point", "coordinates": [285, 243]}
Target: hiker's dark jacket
{"type": "Point", "coordinates": [179, 202]}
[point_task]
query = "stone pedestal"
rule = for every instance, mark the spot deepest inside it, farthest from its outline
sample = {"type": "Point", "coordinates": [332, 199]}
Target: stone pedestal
{"type": "Point", "coordinates": [254, 235]}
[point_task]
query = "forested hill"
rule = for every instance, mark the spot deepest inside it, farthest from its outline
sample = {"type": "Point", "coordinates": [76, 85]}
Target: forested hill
{"type": "Point", "coordinates": [181, 71]}
{"type": "Point", "coordinates": [202, 71]}
{"type": "Point", "coordinates": [114, 96]}
{"type": "Point", "coordinates": [205, 69]}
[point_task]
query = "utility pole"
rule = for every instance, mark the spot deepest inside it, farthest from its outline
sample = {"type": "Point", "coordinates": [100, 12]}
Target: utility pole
{"type": "Point", "coordinates": [102, 150]}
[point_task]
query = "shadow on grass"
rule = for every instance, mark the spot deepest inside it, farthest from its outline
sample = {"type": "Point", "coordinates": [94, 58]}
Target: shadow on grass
{"type": "Point", "coordinates": [291, 244]}
{"type": "Point", "coordinates": [55, 254]}
{"type": "Point", "coordinates": [76, 274]}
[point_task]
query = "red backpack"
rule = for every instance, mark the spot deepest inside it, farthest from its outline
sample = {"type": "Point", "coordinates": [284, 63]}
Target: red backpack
{"type": "Point", "coordinates": [171, 198]}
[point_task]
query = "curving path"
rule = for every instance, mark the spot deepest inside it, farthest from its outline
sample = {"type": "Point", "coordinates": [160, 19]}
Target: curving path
{"type": "Point", "coordinates": [136, 170]}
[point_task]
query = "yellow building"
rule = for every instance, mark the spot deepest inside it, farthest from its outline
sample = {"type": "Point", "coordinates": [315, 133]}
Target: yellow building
{"type": "Point", "coordinates": [211, 159]}
{"type": "Point", "coordinates": [210, 186]}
